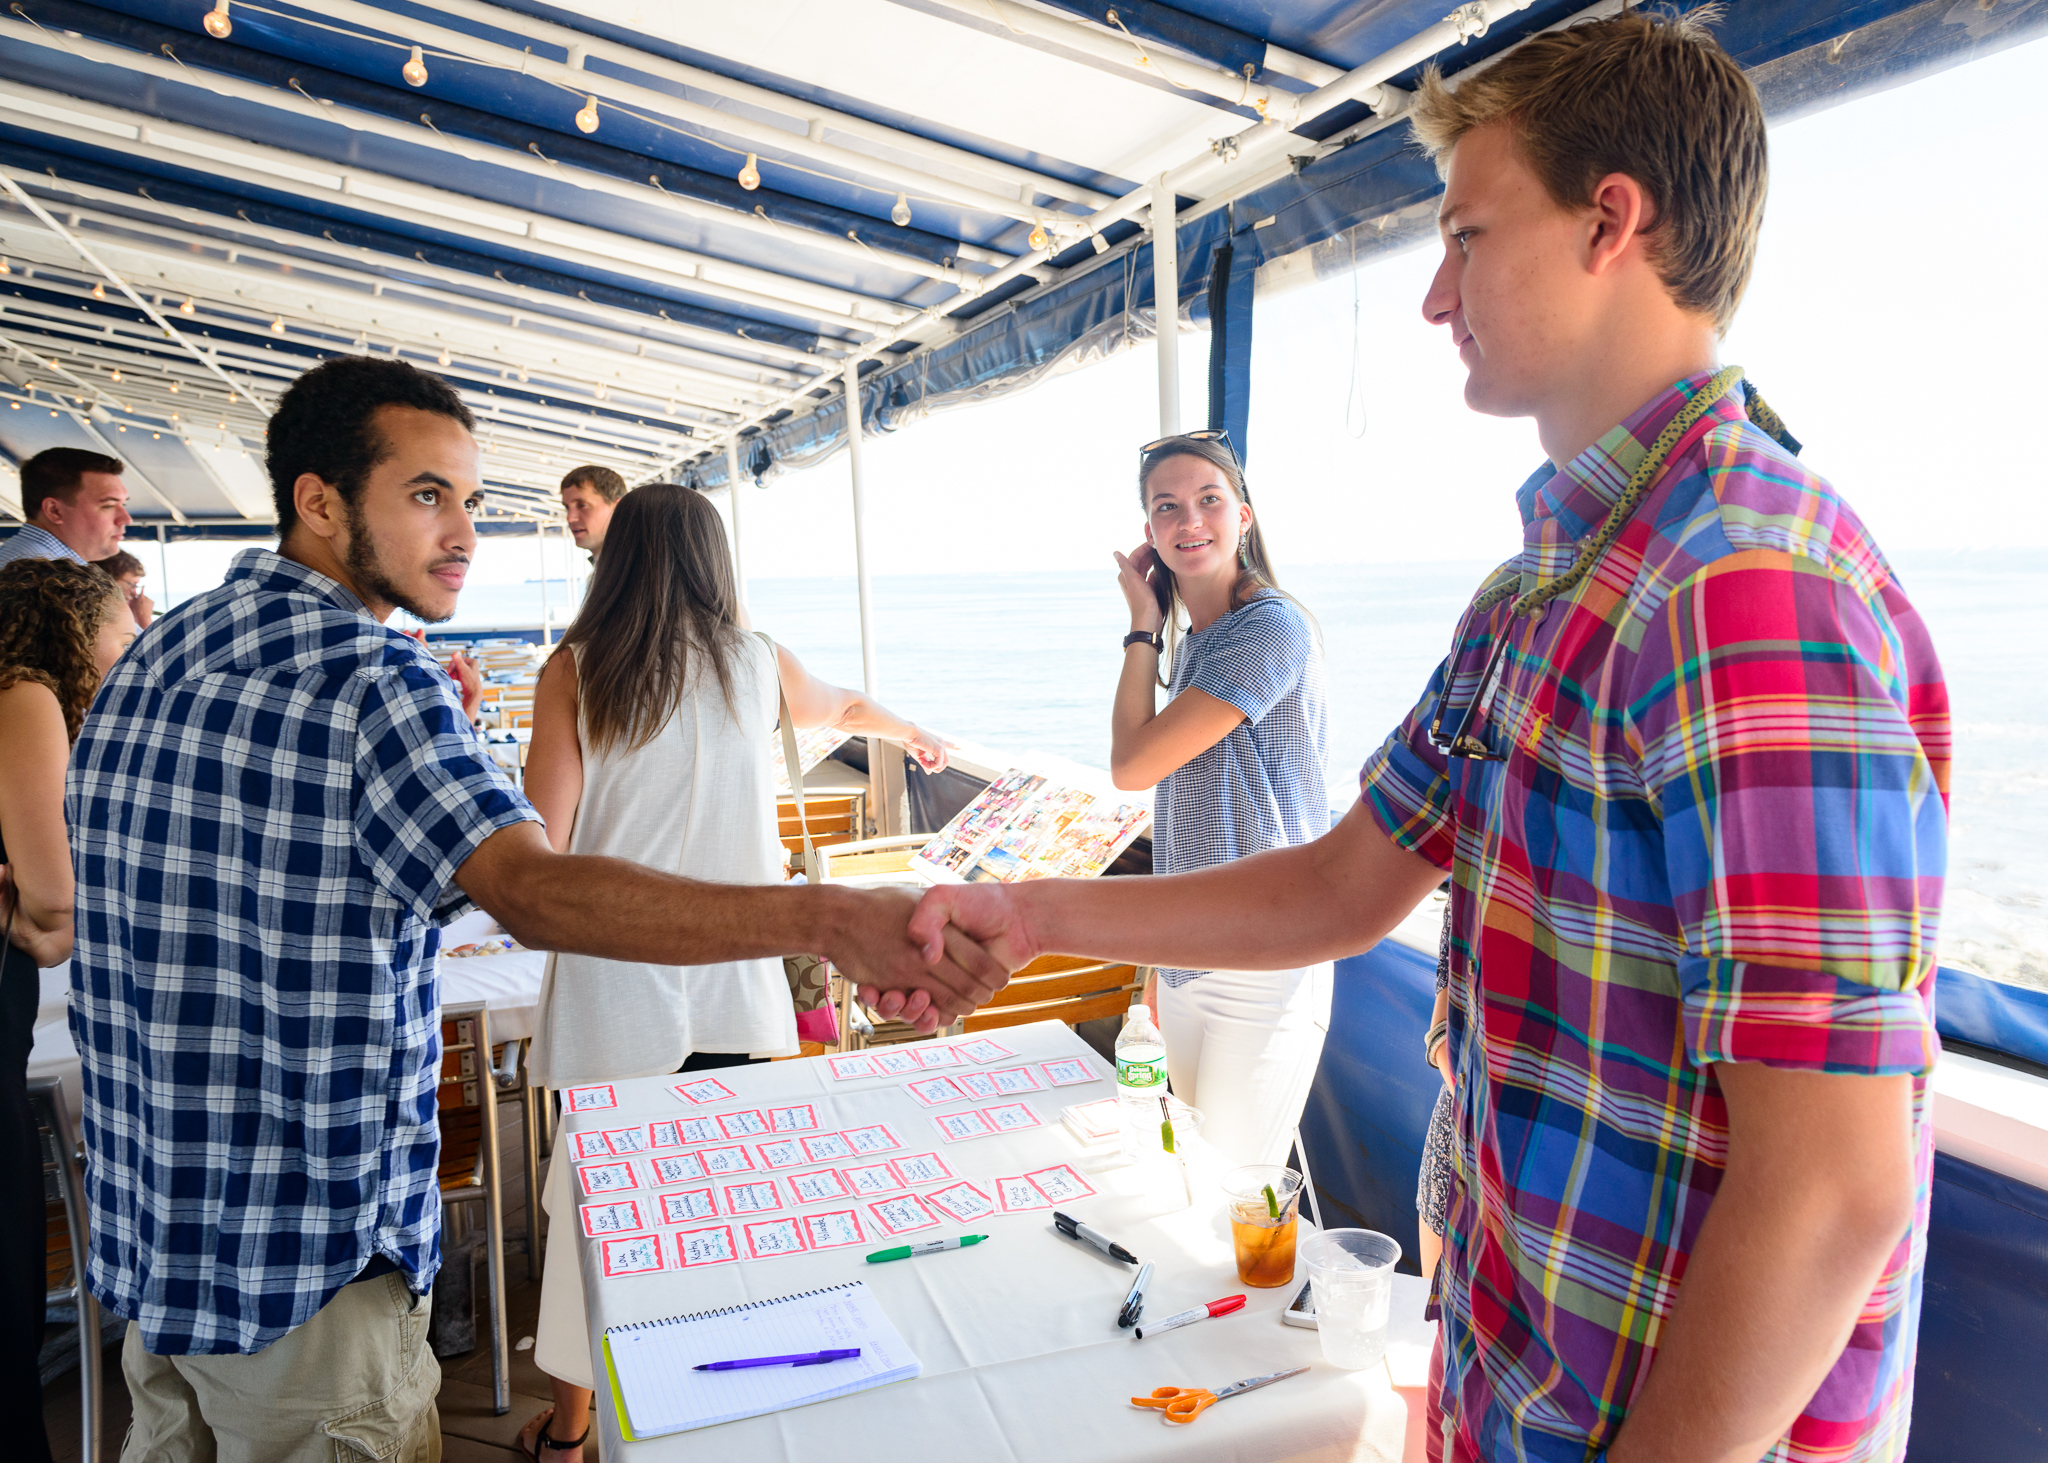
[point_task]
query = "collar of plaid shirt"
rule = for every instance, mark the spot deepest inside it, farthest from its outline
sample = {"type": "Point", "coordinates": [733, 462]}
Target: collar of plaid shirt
{"type": "Point", "coordinates": [1635, 899]}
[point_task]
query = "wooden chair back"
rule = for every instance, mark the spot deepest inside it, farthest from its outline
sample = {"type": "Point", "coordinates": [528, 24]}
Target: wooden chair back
{"type": "Point", "coordinates": [834, 819]}
{"type": "Point", "coordinates": [1067, 988]}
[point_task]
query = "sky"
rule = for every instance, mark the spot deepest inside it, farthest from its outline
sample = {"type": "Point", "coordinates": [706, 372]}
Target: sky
{"type": "Point", "coordinates": [1898, 298]}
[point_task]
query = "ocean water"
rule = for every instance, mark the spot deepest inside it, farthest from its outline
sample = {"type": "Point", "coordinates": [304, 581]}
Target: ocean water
{"type": "Point", "coordinates": [1028, 662]}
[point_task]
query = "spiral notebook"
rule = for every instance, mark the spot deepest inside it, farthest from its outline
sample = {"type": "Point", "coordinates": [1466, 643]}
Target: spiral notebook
{"type": "Point", "coordinates": [656, 1392]}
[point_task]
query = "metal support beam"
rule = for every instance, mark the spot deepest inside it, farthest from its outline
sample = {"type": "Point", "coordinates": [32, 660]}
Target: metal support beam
{"type": "Point", "coordinates": [1166, 302]}
{"type": "Point", "coordinates": [870, 671]}
{"type": "Point", "coordinates": [732, 487]}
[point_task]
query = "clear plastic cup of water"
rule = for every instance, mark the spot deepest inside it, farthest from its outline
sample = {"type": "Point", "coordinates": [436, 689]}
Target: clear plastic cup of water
{"type": "Point", "coordinates": [1352, 1272]}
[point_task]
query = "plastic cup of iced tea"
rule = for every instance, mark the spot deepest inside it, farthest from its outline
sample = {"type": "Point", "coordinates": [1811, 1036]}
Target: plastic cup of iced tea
{"type": "Point", "coordinates": [1260, 1200]}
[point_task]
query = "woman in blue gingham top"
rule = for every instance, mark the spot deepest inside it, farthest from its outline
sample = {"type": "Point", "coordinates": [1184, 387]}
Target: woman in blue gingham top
{"type": "Point", "coordinates": [1239, 755]}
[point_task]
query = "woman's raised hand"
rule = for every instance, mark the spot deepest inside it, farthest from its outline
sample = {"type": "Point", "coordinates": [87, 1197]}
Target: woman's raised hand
{"type": "Point", "coordinates": [929, 748]}
{"type": "Point", "coordinates": [1139, 576]}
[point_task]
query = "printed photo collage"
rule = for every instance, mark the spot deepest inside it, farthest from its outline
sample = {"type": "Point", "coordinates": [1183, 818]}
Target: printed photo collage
{"type": "Point", "coordinates": [1025, 826]}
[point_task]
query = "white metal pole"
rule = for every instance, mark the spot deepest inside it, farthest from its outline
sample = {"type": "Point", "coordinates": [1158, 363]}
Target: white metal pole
{"type": "Point", "coordinates": [732, 489]}
{"type": "Point", "coordinates": [540, 542]}
{"type": "Point", "coordinates": [870, 671]}
{"type": "Point", "coordinates": [1166, 302]}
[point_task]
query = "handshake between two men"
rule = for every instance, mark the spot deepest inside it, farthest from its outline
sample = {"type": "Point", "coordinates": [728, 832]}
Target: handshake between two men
{"type": "Point", "coordinates": [934, 959]}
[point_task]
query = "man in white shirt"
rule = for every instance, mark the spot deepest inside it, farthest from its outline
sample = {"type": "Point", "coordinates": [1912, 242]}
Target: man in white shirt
{"type": "Point", "coordinates": [77, 507]}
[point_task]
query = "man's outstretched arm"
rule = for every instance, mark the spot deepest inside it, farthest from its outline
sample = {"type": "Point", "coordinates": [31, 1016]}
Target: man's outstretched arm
{"type": "Point", "coordinates": [1817, 1196]}
{"type": "Point", "coordinates": [622, 911]}
{"type": "Point", "coordinates": [1274, 911]}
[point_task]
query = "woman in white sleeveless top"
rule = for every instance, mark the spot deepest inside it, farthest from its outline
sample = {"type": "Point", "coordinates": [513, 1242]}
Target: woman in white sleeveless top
{"type": "Point", "coordinates": [652, 730]}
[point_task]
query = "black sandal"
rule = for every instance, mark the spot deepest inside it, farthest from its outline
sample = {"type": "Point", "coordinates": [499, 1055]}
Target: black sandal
{"type": "Point", "coordinates": [542, 1440]}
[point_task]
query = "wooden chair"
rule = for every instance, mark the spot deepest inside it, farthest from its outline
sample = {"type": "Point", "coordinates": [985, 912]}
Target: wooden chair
{"type": "Point", "coordinates": [835, 818]}
{"type": "Point", "coordinates": [470, 1169]}
{"type": "Point", "coordinates": [1069, 988]}
{"type": "Point", "coordinates": [870, 859]}
{"type": "Point", "coordinates": [64, 1244]}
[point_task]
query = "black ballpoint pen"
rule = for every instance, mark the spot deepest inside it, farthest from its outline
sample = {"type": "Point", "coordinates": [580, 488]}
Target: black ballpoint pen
{"type": "Point", "coordinates": [1134, 1303]}
{"type": "Point", "coordinates": [1074, 1229]}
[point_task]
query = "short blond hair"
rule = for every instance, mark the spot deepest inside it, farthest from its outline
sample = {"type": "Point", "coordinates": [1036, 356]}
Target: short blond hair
{"type": "Point", "coordinates": [1655, 97]}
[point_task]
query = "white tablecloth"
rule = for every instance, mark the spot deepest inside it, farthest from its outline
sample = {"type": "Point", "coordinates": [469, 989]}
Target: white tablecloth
{"type": "Point", "coordinates": [1022, 1356]}
{"type": "Point", "coordinates": [508, 983]}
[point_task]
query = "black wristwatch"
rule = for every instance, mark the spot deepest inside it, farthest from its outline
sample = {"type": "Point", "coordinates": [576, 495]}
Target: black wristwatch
{"type": "Point", "coordinates": [1146, 637]}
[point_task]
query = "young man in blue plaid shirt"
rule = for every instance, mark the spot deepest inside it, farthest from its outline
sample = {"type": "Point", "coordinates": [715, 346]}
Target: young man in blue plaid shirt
{"type": "Point", "coordinates": [275, 804]}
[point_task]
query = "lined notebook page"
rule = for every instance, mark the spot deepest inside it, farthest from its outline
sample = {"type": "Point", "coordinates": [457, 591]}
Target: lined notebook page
{"type": "Point", "coordinates": [659, 1392]}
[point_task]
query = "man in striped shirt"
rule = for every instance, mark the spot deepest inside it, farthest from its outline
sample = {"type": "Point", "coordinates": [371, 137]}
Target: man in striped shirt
{"type": "Point", "coordinates": [1687, 765]}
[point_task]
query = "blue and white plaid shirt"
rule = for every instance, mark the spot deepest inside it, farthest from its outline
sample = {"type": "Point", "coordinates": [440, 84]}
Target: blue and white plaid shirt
{"type": "Point", "coordinates": [1263, 785]}
{"type": "Point", "coordinates": [33, 541]}
{"type": "Point", "coordinates": [268, 805]}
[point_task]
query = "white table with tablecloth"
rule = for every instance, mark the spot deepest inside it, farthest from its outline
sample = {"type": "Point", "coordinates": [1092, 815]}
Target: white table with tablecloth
{"type": "Point", "coordinates": [1022, 1358]}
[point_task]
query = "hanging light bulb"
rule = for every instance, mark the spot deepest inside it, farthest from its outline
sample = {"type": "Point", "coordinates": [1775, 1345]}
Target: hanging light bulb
{"type": "Point", "coordinates": [174, 388]}
{"type": "Point", "coordinates": [586, 119]}
{"type": "Point", "coordinates": [750, 176]}
{"type": "Point", "coordinates": [601, 393]}
{"type": "Point", "coordinates": [900, 214]}
{"type": "Point", "coordinates": [415, 70]}
{"type": "Point", "coordinates": [1039, 237]}
{"type": "Point", "coordinates": [188, 307]}
{"type": "Point", "coordinates": [277, 325]}
{"type": "Point", "coordinates": [522, 373]}
{"type": "Point", "coordinates": [99, 291]}
{"type": "Point", "coordinates": [442, 359]}
{"type": "Point", "coordinates": [5, 267]}
{"type": "Point", "coordinates": [115, 375]}
{"type": "Point", "coordinates": [217, 23]}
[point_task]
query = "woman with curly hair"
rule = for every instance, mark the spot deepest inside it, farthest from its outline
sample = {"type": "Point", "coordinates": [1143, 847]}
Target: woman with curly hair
{"type": "Point", "coordinates": [62, 626]}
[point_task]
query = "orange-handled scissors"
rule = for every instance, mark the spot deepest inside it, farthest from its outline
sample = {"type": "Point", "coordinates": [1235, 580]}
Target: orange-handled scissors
{"type": "Point", "coordinates": [1185, 1404]}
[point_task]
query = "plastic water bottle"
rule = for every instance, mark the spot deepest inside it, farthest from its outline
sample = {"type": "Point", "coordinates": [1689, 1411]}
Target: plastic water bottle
{"type": "Point", "coordinates": [1140, 1082]}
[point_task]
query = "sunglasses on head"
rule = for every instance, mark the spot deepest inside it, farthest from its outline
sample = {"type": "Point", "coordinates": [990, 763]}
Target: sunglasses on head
{"type": "Point", "coordinates": [1207, 434]}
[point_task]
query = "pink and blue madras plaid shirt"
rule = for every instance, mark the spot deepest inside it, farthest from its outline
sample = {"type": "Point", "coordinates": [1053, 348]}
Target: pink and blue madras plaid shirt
{"type": "Point", "coordinates": [1718, 835]}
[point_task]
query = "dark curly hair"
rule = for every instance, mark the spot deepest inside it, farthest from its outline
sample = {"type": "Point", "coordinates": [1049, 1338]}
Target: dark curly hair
{"type": "Point", "coordinates": [51, 613]}
{"type": "Point", "coordinates": [322, 424]}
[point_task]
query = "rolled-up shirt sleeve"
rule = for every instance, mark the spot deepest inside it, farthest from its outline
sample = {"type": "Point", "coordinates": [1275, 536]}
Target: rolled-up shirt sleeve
{"type": "Point", "coordinates": [426, 794]}
{"type": "Point", "coordinates": [1804, 826]}
{"type": "Point", "coordinates": [1406, 787]}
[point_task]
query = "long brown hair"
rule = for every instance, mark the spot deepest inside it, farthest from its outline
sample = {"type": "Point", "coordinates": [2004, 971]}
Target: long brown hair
{"type": "Point", "coordinates": [51, 615]}
{"type": "Point", "coordinates": [661, 594]}
{"type": "Point", "coordinates": [1255, 569]}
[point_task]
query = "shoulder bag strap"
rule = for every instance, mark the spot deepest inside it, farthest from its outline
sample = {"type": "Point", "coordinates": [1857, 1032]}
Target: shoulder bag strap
{"type": "Point", "coordinates": [792, 763]}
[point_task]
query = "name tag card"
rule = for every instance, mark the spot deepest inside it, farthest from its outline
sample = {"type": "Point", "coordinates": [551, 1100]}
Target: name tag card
{"type": "Point", "coordinates": [621, 1216]}
{"type": "Point", "coordinates": [713, 1246]}
{"type": "Point", "coordinates": [677, 1168]}
{"type": "Point", "coordinates": [836, 1227]}
{"type": "Point", "coordinates": [606, 1178]}
{"type": "Point", "coordinates": [687, 1206]}
{"type": "Point", "coordinates": [772, 1237]}
{"type": "Point", "coordinates": [638, 1254]}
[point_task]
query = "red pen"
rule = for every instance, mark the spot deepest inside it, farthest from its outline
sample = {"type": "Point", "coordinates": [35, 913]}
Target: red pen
{"type": "Point", "coordinates": [1221, 1307]}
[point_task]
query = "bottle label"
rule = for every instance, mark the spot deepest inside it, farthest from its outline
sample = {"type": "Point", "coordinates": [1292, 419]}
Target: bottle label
{"type": "Point", "coordinates": [1140, 1074]}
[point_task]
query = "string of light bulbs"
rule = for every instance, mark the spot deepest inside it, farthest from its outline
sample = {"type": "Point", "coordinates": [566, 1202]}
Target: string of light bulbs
{"type": "Point", "coordinates": [587, 117]}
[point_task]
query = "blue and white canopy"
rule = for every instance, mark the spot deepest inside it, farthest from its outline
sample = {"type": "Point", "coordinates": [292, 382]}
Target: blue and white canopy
{"type": "Point", "coordinates": [644, 232]}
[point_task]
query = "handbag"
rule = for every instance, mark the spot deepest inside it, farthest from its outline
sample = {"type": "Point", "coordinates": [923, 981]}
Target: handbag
{"type": "Point", "coordinates": [809, 976]}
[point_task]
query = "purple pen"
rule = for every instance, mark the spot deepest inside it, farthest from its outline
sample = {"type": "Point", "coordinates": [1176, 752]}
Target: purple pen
{"type": "Point", "coordinates": [804, 1358]}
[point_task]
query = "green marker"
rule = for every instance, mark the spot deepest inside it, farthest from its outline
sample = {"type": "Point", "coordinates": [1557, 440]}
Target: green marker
{"type": "Point", "coordinates": [929, 1247]}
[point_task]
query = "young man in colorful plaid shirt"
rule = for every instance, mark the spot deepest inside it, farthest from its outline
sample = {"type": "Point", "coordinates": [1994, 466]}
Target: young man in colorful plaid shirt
{"type": "Point", "coordinates": [1686, 764]}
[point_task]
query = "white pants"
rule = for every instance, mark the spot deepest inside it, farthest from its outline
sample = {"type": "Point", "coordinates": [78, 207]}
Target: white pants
{"type": "Point", "coordinates": [1242, 1045]}
{"type": "Point", "coordinates": [561, 1342]}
